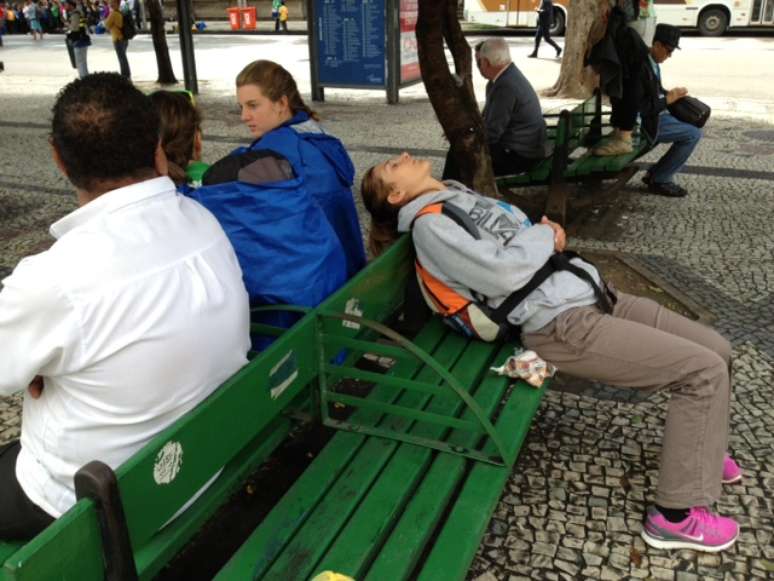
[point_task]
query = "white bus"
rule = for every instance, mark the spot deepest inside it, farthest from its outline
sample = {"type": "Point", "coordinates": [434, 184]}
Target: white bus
{"type": "Point", "coordinates": [711, 17]}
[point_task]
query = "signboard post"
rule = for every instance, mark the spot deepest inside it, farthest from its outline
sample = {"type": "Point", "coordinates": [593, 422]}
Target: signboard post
{"type": "Point", "coordinates": [363, 44]}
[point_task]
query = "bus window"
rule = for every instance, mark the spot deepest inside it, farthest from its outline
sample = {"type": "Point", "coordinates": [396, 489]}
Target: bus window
{"type": "Point", "coordinates": [756, 11]}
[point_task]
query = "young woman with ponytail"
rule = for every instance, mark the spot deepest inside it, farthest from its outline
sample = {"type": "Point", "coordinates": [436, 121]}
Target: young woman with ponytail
{"type": "Point", "coordinates": [181, 137]}
{"type": "Point", "coordinates": [279, 120]}
{"type": "Point", "coordinates": [633, 342]}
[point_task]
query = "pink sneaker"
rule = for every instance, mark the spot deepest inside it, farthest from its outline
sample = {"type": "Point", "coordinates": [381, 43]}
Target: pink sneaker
{"type": "Point", "coordinates": [700, 530]}
{"type": "Point", "coordinates": [731, 471]}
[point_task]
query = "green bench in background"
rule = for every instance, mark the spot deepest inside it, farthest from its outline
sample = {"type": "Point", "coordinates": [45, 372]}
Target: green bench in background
{"type": "Point", "coordinates": [576, 129]}
{"type": "Point", "coordinates": [403, 490]}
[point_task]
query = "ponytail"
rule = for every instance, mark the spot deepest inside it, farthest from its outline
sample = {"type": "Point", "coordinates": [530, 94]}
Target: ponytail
{"type": "Point", "coordinates": [181, 120]}
{"type": "Point", "coordinates": [384, 216]}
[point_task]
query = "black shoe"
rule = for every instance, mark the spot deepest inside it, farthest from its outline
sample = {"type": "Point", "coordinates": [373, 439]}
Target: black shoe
{"type": "Point", "coordinates": [558, 53]}
{"type": "Point", "coordinates": [669, 189]}
{"type": "Point", "coordinates": [532, 56]}
{"type": "Point", "coordinates": [646, 179]}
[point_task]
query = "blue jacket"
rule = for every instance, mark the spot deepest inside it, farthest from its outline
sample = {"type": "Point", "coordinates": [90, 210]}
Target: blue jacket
{"type": "Point", "coordinates": [288, 252]}
{"type": "Point", "coordinates": [324, 165]}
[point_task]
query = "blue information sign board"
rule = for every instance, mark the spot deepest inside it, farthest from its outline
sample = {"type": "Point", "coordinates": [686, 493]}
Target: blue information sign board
{"type": "Point", "coordinates": [351, 48]}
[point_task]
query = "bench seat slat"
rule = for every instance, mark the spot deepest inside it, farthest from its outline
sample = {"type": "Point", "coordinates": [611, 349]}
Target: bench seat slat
{"type": "Point", "coordinates": [438, 419]}
{"type": "Point", "coordinates": [334, 343]}
{"type": "Point", "coordinates": [589, 164]}
{"type": "Point", "coordinates": [458, 541]}
{"type": "Point", "coordinates": [268, 540]}
{"type": "Point", "coordinates": [382, 379]}
{"type": "Point", "coordinates": [300, 557]}
{"type": "Point", "coordinates": [400, 553]}
{"type": "Point", "coordinates": [538, 174]}
{"type": "Point", "coordinates": [362, 538]}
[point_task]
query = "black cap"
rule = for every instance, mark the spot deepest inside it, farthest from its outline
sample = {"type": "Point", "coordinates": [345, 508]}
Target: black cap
{"type": "Point", "coordinates": [667, 35]}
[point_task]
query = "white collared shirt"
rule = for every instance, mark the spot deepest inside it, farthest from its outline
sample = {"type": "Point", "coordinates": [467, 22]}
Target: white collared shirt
{"type": "Point", "coordinates": [134, 315]}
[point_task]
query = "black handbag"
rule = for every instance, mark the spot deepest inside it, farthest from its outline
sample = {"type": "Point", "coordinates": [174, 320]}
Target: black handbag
{"type": "Point", "coordinates": [690, 110]}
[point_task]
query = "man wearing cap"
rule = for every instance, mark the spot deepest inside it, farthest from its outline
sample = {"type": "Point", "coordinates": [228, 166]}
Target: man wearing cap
{"type": "Point", "coordinates": [77, 39]}
{"type": "Point", "coordinates": [658, 124]}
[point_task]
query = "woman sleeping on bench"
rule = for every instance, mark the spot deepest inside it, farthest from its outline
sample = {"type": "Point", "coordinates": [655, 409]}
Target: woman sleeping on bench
{"type": "Point", "coordinates": [608, 336]}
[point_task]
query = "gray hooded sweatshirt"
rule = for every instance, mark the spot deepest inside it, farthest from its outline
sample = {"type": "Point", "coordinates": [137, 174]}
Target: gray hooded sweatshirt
{"type": "Point", "coordinates": [510, 252]}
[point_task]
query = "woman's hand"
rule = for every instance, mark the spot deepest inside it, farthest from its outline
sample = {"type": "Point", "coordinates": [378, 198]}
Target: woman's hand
{"type": "Point", "coordinates": [560, 237]}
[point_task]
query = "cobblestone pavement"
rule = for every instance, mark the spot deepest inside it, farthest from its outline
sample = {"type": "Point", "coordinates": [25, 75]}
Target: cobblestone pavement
{"type": "Point", "coordinates": [574, 505]}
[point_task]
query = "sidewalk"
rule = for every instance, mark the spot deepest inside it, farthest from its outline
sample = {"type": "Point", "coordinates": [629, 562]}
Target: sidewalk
{"type": "Point", "coordinates": [572, 509]}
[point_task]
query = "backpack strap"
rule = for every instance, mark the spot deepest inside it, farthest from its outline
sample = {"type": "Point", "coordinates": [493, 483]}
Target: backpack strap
{"type": "Point", "coordinates": [558, 261]}
{"type": "Point", "coordinates": [461, 218]}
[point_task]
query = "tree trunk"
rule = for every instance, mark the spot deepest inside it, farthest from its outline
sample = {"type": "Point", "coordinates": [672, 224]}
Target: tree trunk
{"type": "Point", "coordinates": [586, 22]}
{"type": "Point", "coordinates": [159, 35]}
{"type": "Point", "coordinates": [451, 95]}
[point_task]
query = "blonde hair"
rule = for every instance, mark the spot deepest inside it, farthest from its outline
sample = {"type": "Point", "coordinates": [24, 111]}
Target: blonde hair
{"type": "Point", "coordinates": [275, 82]}
{"type": "Point", "coordinates": [384, 216]}
{"type": "Point", "coordinates": [181, 120]}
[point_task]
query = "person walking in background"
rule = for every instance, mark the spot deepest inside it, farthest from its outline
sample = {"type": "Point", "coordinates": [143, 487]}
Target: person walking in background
{"type": "Point", "coordinates": [78, 39]}
{"type": "Point", "coordinates": [645, 22]}
{"type": "Point", "coordinates": [275, 6]}
{"type": "Point", "coordinates": [115, 24]}
{"type": "Point", "coordinates": [544, 23]}
{"type": "Point", "coordinates": [283, 16]}
{"type": "Point", "coordinates": [10, 19]}
{"type": "Point", "coordinates": [32, 14]}
{"type": "Point", "coordinates": [56, 16]}
{"type": "Point", "coordinates": [2, 30]}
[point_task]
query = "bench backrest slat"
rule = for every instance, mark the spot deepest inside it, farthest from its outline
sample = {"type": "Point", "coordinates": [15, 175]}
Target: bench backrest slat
{"type": "Point", "coordinates": [376, 291]}
{"type": "Point", "coordinates": [69, 550]}
{"type": "Point", "coordinates": [158, 480]}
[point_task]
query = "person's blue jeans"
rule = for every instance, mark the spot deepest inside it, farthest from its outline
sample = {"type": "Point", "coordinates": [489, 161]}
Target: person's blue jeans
{"type": "Point", "coordinates": [80, 60]}
{"type": "Point", "coordinates": [684, 138]}
{"type": "Point", "coordinates": [123, 62]}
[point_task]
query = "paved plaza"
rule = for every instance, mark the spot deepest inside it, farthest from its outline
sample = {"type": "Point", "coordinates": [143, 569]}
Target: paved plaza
{"type": "Point", "coordinates": [574, 505]}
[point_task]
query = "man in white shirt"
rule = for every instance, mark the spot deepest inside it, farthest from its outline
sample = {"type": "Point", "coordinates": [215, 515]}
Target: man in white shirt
{"type": "Point", "coordinates": [134, 315]}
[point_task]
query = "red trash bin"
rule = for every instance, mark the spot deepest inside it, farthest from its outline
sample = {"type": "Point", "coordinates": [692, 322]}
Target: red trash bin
{"type": "Point", "coordinates": [248, 17]}
{"type": "Point", "coordinates": [233, 18]}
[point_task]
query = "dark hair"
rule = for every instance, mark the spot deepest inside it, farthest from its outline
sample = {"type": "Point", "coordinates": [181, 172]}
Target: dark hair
{"type": "Point", "coordinates": [384, 216]}
{"type": "Point", "coordinates": [275, 82]}
{"type": "Point", "coordinates": [180, 121]}
{"type": "Point", "coordinates": [104, 129]}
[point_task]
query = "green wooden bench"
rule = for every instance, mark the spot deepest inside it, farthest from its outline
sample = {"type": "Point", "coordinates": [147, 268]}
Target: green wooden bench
{"type": "Point", "coordinates": [403, 490]}
{"type": "Point", "coordinates": [407, 487]}
{"type": "Point", "coordinates": [576, 129]}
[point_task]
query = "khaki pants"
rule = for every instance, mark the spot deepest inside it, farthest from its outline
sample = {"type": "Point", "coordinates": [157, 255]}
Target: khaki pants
{"type": "Point", "coordinates": [643, 345]}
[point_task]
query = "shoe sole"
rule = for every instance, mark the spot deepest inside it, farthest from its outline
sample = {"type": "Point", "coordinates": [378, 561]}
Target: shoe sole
{"type": "Point", "coordinates": [657, 543]}
{"type": "Point", "coordinates": [733, 480]}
